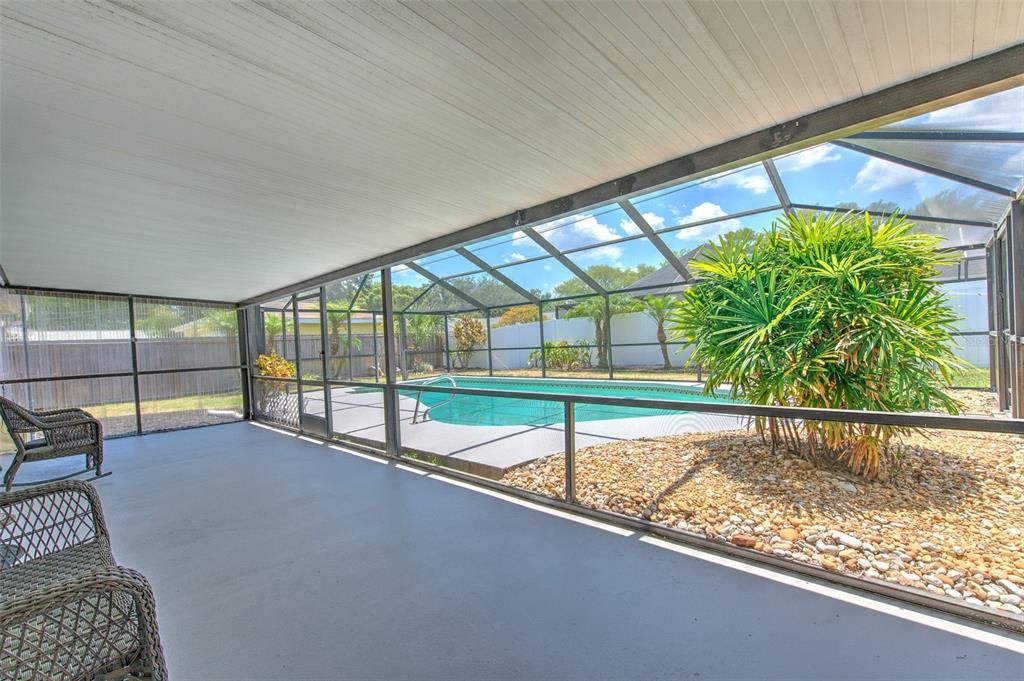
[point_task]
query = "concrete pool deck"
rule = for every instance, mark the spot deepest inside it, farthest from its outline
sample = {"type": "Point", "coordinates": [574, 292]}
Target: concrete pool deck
{"type": "Point", "coordinates": [487, 450]}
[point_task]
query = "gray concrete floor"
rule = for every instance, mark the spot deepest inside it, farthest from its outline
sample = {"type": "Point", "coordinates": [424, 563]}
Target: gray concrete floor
{"type": "Point", "coordinates": [277, 558]}
{"type": "Point", "coordinates": [491, 450]}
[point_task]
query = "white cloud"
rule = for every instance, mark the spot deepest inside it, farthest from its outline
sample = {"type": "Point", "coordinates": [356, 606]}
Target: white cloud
{"type": "Point", "coordinates": [515, 256]}
{"type": "Point", "coordinates": [1000, 111]}
{"type": "Point", "coordinates": [607, 254]}
{"type": "Point", "coordinates": [809, 158]}
{"type": "Point", "coordinates": [629, 228]}
{"type": "Point", "coordinates": [751, 179]}
{"type": "Point", "coordinates": [707, 211]}
{"type": "Point", "coordinates": [877, 175]}
{"type": "Point", "coordinates": [578, 230]}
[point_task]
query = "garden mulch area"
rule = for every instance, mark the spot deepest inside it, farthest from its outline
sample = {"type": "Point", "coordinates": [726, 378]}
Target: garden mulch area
{"type": "Point", "coordinates": [948, 519]}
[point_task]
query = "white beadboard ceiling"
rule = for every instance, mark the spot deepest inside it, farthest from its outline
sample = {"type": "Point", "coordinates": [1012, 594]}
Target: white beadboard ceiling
{"type": "Point", "coordinates": [218, 150]}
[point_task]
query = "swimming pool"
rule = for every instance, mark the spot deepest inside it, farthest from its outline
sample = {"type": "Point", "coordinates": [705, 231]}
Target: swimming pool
{"type": "Point", "coordinates": [477, 410]}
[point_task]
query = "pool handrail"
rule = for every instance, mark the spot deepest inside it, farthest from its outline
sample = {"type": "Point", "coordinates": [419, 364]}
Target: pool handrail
{"type": "Point", "coordinates": [419, 396]}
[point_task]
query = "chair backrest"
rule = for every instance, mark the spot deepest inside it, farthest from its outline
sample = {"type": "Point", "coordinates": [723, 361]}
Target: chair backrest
{"type": "Point", "coordinates": [16, 418]}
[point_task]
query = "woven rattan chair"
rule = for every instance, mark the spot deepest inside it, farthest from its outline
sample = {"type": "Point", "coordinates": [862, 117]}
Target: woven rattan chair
{"type": "Point", "coordinates": [66, 432]}
{"type": "Point", "coordinates": [67, 611]}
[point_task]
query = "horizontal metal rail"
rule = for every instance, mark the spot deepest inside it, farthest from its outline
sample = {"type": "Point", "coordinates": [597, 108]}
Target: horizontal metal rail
{"type": "Point", "coordinates": [117, 374]}
{"type": "Point", "coordinates": [915, 420]}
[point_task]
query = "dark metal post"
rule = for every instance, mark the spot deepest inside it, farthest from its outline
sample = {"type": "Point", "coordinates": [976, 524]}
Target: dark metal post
{"type": "Point", "coordinates": [569, 424]}
{"type": "Point", "coordinates": [135, 364]}
{"type": "Point", "coordinates": [392, 415]}
{"type": "Point", "coordinates": [447, 356]}
{"type": "Point", "coordinates": [24, 347]}
{"type": "Point", "coordinates": [299, 395]}
{"type": "Point", "coordinates": [376, 367]}
{"type": "Point", "coordinates": [999, 275]}
{"type": "Point", "coordinates": [1015, 234]}
{"type": "Point", "coordinates": [243, 360]}
{"type": "Point", "coordinates": [608, 335]}
{"type": "Point", "coordinates": [490, 357]}
{"type": "Point", "coordinates": [403, 339]}
{"type": "Point", "coordinates": [543, 353]}
{"type": "Point", "coordinates": [991, 299]}
{"type": "Point", "coordinates": [348, 341]}
{"type": "Point", "coordinates": [324, 350]}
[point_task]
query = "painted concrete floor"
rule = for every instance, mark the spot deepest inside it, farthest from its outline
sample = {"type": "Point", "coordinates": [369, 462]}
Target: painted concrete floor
{"type": "Point", "coordinates": [491, 450]}
{"type": "Point", "coordinates": [277, 558]}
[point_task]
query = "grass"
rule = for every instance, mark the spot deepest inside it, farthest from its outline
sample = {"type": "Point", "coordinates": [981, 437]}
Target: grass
{"type": "Point", "coordinates": [113, 410]}
{"type": "Point", "coordinates": [972, 378]}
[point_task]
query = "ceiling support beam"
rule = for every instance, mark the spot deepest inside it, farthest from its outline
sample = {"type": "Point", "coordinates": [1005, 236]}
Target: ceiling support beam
{"type": "Point", "coordinates": [925, 168]}
{"type": "Point", "coordinates": [497, 274]}
{"type": "Point", "coordinates": [985, 75]}
{"type": "Point", "coordinates": [427, 274]}
{"type": "Point", "coordinates": [882, 214]}
{"type": "Point", "coordinates": [566, 263]}
{"type": "Point", "coordinates": [941, 136]}
{"type": "Point", "coordinates": [653, 237]}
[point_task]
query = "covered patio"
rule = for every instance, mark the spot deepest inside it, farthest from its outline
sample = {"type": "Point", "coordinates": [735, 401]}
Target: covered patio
{"type": "Point", "coordinates": [379, 322]}
{"type": "Point", "coordinates": [280, 557]}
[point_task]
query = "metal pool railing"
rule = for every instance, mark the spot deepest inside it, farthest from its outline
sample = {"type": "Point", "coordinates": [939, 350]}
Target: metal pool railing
{"type": "Point", "coordinates": [419, 396]}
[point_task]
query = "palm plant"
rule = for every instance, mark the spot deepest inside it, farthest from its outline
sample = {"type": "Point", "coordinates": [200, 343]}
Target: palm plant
{"type": "Point", "coordinates": [336, 321]}
{"type": "Point", "coordinates": [659, 308]}
{"type": "Point", "coordinates": [831, 311]}
{"type": "Point", "coordinates": [596, 310]}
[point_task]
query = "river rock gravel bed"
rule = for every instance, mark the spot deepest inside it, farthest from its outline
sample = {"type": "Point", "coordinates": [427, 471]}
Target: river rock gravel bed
{"type": "Point", "coordinates": [948, 518]}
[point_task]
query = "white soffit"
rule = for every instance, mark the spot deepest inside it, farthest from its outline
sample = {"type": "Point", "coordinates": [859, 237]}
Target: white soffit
{"type": "Point", "coordinates": [218, 150]}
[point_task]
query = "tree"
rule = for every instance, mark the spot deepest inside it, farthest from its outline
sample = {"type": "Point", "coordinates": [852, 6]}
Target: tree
{"type": "Point", "coordinates": [595, 310]}
{"type": "Point", "coordinates": [272, 327]}
{"type": "Point", "coordinates": [336, 321]}
{"type": "Point", "coordinates": [156, 321]}
{"type": "Point", "coordinates": [610, 277]}
{"type": "Point", "coordinates": [469, 332]}
{"type": "Point", "coordinates": [522, 314]}
{"type": "Point", "coordinates": [831, 311]}
{"type": "Point", "coordinates": [659, 308]}
{"type": "Point", "coordinates": [422, 329]}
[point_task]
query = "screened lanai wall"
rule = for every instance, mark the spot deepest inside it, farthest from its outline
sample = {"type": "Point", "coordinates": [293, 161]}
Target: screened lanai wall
{"type": "Point", "coordinates": [138, 364]}
{"type": "Point", "coordinates": [583, 295]}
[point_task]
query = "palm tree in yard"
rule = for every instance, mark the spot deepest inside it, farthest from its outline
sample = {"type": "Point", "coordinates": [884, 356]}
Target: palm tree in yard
{"type": "Point", "coordinates": [659, 308]}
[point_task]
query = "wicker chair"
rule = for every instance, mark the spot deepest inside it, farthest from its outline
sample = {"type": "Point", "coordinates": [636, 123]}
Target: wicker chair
{"type": "Point", "coordinates": [66, 432]}
{"type": "Point", "coordinates": [67, 611]}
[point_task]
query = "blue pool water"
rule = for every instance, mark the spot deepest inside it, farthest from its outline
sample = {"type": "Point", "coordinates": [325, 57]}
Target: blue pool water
{"type": "Point", "coordinates": [476, 410]}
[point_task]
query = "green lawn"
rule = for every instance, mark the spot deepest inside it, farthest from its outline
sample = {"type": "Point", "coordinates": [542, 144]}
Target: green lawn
{"type": "Point", "coordinates": [972, 378]}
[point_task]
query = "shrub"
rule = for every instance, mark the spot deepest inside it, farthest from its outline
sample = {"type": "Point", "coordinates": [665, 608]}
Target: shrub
{"type": "Point", "coordinates": [469, 332]}
{"type": "Point", "coordinates": [827, 311]}
{"type": "Point", "coordinates": [562, 355]}
{"type": "Point", "coordinates": [275, 365]}
{"type": "Point", "coordinates": [523, 314]}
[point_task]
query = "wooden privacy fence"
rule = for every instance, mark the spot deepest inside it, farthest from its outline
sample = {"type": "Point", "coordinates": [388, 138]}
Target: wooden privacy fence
{"type": "Point", "coordinates": [57, 359]}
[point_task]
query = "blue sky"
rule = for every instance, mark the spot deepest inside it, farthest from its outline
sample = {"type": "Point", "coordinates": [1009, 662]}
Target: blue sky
{"type": "Point", "coordinates": [824, 175]}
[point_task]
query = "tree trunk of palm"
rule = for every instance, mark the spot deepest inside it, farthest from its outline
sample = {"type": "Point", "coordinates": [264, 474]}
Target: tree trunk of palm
{"type": "Point", "coordinates": [663, 342]}
{"type": "Point", "coordinates": [602, 343]}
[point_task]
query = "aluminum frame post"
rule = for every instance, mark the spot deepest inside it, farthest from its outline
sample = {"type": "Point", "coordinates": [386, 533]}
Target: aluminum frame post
{"type": "Point", "coordinates": [242, 316]}
{"type": "Point", "coordinates": [490, 346]}
{"type": "Point", "coordinates": [1015, 269]}
{"type": "Point", "coordinates": [324, 350]}
{"type": "Point", "coordinates": [392, 414]}
{"type": "Point", "coordinates": [447, 351]}
{"type": "Point", "coordinates": [569, 425]}
{"type": "Point", "coordinates": [135, 364]}
{"type": "Point", "coordinates": [543, 353]}
{"type": "Point", "coordinates": [608, 335]}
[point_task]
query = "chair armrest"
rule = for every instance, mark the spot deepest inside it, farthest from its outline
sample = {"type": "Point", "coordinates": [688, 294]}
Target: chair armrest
{"type": "Point", "coordinates": [62, 414]}
{"type": "Point", "coordinates": [48, 518]}
{"type": "Point", "coordinates": [108, 611]}
{"type": "Point", "coordinates": [68, 434]}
